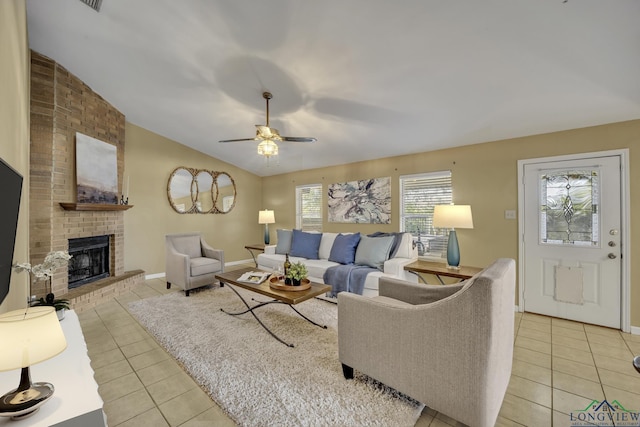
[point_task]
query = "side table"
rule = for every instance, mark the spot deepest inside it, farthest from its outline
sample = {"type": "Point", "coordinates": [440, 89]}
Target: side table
{"type": "Point", "coordinates": [440, 270]}
{"type": "Point", "coordinates": [259, 247]}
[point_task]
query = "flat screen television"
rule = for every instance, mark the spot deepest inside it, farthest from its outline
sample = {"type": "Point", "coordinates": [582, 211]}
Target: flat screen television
{"type": "Point", "coordinates": [11, 189]}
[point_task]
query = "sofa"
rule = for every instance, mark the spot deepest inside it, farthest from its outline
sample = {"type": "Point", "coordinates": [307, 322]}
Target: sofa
{"type": "Point", "coordinates": [388, 253]}
{"type": "Point", "coordinates": [449, 347]}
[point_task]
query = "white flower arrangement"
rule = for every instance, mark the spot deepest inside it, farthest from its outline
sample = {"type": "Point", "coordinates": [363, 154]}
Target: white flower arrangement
{"type": "Point", "coordinates": [52, 261]}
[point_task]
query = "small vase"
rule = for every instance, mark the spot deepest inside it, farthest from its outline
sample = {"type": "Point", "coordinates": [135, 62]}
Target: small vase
{"type": "Point", "coordinates": [296, 282]}
{"type": "Point", "coordinates": [287, 281]}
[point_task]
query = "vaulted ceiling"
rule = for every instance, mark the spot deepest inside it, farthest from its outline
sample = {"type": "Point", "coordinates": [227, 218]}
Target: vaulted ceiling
{"type": "Point", "coordinates": [367, 78]}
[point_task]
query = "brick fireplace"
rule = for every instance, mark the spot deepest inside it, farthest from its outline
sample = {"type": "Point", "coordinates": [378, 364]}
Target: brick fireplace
{"type": "Point", "coordinates": [61, 105]}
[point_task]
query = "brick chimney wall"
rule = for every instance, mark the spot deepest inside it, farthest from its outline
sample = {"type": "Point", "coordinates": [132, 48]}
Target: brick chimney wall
{"type": "Point", "coordinates": [61, 105]}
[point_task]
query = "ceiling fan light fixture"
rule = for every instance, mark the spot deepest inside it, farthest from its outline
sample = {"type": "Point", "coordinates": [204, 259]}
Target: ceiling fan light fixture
{"type": "Point", "coordinates": [267, 148]}
{"type": "Point", "coordinates": [268, 136]}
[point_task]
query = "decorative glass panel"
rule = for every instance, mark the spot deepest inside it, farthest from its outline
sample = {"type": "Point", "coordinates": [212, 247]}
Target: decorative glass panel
{"type": "Point", "coordinates": [569, 213]}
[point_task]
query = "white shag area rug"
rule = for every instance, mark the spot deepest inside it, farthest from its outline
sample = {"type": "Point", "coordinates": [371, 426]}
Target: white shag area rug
{"type": "Point", "coordinates": [259, 381]}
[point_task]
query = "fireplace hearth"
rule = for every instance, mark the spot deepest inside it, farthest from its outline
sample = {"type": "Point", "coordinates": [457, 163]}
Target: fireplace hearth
{"type": "Point", "coordinates": [90, 260]}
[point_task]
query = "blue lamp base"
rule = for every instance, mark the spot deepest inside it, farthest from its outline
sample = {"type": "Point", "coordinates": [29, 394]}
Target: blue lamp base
{"type": "Point", "coordinates": [453, 251]}
{"type": "Point", "coordinates": [266, 234]}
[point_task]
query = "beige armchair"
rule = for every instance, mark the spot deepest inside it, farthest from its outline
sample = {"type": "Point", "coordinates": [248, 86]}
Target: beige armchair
{"type": "Point", "coordinates": [449, 347]}
{"type": "Point", "coordinates": [190, 261]}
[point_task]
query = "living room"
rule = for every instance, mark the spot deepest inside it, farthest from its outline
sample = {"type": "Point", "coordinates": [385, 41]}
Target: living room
{"type": "Point", "coordinates": [484, 175]}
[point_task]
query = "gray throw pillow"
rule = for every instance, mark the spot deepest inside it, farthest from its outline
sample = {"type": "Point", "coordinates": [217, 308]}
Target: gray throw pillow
{"type": "Point", "coordinates": [374, 251]}
{"type": "Point", "coordinates": [284, 241]}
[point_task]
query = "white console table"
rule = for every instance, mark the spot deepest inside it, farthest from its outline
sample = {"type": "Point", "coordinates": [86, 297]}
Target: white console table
{"type": "Point", "coordinates": [75, 401]}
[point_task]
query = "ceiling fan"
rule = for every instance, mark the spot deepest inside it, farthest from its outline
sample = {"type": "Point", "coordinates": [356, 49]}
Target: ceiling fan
{"type": "Point", "coordinates": [268, 135]}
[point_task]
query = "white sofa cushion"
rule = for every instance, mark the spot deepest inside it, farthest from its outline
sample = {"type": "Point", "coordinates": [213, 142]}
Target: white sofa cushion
{"type": "Point", "coordinates": [405, 248]}
{"type": "Point", "coordinates": [317, 267]}
{"type": "Point", "coordinates": [325, 245]}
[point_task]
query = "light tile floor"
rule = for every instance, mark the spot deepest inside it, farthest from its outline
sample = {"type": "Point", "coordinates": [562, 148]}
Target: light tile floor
{"type": "Point", "coordinates": [559, 367]}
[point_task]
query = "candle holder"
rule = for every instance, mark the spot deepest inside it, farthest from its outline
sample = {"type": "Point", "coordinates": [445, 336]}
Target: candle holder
{"type": "Point", "coordinates": [124, 201]}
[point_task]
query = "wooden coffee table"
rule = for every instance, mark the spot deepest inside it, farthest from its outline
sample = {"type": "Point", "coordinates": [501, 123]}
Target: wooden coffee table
{"type": "Point", "coordinates": [289, 298]}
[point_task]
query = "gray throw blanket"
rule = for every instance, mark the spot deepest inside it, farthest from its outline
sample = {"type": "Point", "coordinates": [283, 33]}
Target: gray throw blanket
{"type": "Point", "coordinates": [347, 278]}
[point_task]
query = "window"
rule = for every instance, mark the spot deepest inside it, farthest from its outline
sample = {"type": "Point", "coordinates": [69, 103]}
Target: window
{"type": "Point", "coordinates": [309, 207]}
{"type": "Point", "coordinates": [419, 194]}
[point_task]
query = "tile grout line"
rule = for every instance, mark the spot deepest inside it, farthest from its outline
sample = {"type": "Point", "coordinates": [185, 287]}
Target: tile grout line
{"type": "Point", "coordinates": [135, 372]}
{"type": "Point", "coordinates": [157, 404]}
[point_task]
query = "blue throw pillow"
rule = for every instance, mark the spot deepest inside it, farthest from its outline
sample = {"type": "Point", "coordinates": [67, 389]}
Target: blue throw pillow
{"type": "Point", "coordinates": [344, 248]}
{"type": "Point", "coordinates": [284, 241]}
{"type": "Point", "coordinates": [374, 251]}
{"type": "Point", "coordinates": [305, 245]}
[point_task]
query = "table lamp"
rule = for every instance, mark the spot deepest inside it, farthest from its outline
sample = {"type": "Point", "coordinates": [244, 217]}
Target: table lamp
{"type": "Point", "coordinates": [29, 336]}
{"type": "Point", "coordinates": [266, 217]}
{"type": "Point", "coordinates": [453, 216]}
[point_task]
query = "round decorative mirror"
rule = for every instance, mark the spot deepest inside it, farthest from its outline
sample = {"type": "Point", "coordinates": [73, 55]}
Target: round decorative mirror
{"type": "Point", "coordinates": [203, 191]}
{"type": "Point", "coordinates": [179, 190]}
{"type": "Point", "coordinates": [225, 193]}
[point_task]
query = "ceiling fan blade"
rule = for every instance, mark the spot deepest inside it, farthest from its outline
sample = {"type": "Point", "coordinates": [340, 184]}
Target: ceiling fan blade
{"type": "Point", "coordinates": [267, 134]}
{"type": "Point", "coordinates": [237, 140]}
{"type": "Point", "coordinates": [299, 139]}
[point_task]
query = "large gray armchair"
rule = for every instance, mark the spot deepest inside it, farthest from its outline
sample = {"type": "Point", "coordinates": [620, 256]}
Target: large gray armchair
{"type": "Point", "coordinates": [449, 347]}
{"type": "Point", "coordinates": [190, 262]}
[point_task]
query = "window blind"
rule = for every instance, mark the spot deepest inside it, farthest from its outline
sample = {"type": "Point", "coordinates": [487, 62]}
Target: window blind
{"type": "Point", "coordinates": [419, 195]}
{"type": "Point", "coordinates": [309, 207]}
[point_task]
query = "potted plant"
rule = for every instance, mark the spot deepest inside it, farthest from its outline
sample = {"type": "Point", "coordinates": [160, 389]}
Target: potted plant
{"type": "Point", "coordinates": [52, 261]}
{"type": "Point", "coordinates": [297, 272]}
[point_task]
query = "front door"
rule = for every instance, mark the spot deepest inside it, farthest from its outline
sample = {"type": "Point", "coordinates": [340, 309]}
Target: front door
{"type": "Point", "coordinates": [572, 256]}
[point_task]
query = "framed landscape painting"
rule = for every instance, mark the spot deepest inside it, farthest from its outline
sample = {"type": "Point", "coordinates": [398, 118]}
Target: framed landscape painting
{"type": "Point", "coordinates": [96, 170]}
{"type": "Point", "coordinates": [366, 201]}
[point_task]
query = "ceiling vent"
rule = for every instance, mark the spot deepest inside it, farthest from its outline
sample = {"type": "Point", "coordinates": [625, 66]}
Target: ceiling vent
{"type": "Point", "coordinates": [93, 4]}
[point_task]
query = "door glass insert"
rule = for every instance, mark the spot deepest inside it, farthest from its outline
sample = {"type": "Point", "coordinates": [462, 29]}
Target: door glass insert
{"type": "Point", "coordinates": [569, 213]}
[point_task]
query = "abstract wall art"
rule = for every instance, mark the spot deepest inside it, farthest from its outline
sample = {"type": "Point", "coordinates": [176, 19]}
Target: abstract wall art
{"type": "Point", "coordinates": [365, 201]}
{"type": "Point", "coordinates": [96, 170]}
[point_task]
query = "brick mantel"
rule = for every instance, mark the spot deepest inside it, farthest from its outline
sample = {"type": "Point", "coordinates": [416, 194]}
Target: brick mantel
{"type": "Point", "coordinates": [61, 105]}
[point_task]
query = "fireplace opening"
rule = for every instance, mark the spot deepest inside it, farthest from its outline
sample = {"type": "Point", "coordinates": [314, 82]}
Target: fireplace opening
{"type": "Point", "coordinates": [90, 260]}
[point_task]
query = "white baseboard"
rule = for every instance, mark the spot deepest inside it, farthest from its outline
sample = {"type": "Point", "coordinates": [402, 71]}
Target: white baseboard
{"type": "Point", "coordinates": [154, 276]}
{"type": "Point", "coordinates": [635, 330]}
{"type": "Point", "coordinates": [242, 261]}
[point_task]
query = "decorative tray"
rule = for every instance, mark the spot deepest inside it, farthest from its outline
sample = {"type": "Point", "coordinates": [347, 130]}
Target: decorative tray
{"type": "Point", "coordinates": [276, 283]}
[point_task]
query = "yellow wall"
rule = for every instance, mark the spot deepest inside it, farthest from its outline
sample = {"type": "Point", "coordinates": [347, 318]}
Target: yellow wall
{"type": "Point", "coordinates": [484, 176]}
{"type": "Point", "coordinates": [14, 128]}
{"type": "Point", "coordinates": [149, 161]}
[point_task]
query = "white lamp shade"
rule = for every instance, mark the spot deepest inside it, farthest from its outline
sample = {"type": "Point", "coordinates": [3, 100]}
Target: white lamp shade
{"type": "Point", "coordinates": [266, 217]}
{"type": "Point", "coordinates": [30, 336]}
{"type": "Point", "coordinates": [452, 216]}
